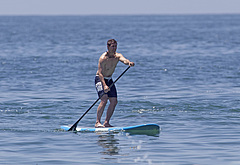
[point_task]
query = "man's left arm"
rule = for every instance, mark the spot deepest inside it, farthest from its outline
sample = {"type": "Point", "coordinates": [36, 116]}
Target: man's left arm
{"type": "Point", "coordinates": [125, 61]}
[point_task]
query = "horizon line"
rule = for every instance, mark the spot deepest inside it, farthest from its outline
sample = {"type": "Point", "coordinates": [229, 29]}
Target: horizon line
{"type": "Point", "coordinates": [137, 14]}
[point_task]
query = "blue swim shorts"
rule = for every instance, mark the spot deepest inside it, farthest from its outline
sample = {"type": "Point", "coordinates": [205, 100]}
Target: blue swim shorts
{"type": "Point", "coordinates": [100, 89]}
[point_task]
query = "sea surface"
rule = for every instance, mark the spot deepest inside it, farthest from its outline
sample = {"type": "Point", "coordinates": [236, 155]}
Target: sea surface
{"type": "Point", "coordinates": [186, 80]}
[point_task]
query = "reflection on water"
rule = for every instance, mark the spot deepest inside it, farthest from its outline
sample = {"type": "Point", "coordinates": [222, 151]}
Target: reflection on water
{"type": "Point", "coordinates": [150, 132]}
{"type": "Point", "coordinates": [126, 146]}
{"type": "Point", "coordinates": [109, 144]}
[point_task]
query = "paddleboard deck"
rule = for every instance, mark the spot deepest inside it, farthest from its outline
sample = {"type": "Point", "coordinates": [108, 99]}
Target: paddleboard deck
{"type": "Point", "coordinates": [137, 129]}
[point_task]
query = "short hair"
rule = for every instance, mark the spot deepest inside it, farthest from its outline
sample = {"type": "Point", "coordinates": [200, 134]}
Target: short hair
{"type": "Point", "coordinates": [111, 41]}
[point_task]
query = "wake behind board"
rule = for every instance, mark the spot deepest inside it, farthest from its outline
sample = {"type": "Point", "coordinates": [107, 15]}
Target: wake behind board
{"type": "Point", "coordinates": [148, 129]}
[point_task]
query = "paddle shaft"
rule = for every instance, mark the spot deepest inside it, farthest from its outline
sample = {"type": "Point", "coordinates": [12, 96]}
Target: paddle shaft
{"type": "Point", "coordinates": [73, 128]}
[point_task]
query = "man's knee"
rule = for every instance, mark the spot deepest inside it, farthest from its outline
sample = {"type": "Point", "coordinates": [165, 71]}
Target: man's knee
{"type": "Point", "coordinates": [104, 99]}
{"type": "Point", "coordinates": [113, 101]}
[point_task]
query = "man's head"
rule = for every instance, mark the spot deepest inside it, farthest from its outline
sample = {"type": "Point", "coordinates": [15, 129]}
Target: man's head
{"type": "Point", "coordinates": [112, 45]}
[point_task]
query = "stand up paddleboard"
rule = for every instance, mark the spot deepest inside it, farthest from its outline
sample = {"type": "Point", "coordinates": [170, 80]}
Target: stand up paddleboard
{"type": "Point", "coordinates": [148, 129]}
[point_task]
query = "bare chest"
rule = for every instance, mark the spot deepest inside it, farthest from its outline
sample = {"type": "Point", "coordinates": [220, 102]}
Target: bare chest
{"type": "Point", "coordinates": [109, 65]}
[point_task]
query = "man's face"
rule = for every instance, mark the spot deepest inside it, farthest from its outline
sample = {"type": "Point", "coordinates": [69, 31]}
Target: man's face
{"type": "Point", "coordinates": [112, 47]}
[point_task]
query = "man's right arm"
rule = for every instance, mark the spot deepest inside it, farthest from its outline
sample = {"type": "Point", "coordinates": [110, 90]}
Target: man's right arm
{"type": "Point", "coordinates": [101, 77]}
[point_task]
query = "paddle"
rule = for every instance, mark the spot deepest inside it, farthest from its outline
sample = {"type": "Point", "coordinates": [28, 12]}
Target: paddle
{"type": "Point", "coordinates": [73, 128]}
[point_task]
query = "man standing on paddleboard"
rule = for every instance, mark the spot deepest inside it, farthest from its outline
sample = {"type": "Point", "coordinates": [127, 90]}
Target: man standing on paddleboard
{"type": "Point", "coordinates": [106, 67]}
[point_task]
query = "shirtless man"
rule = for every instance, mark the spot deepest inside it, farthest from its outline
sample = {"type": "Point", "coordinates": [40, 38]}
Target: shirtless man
{"type": "Point", "coordinates": [106, 67]}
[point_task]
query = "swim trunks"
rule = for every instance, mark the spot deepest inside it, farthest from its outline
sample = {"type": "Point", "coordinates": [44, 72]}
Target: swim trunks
{"type": "Point", "coordinates": [100, 89]}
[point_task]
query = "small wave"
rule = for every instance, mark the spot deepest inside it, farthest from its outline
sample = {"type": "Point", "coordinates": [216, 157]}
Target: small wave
{"type": "Point", "coordinates": [13, 111]}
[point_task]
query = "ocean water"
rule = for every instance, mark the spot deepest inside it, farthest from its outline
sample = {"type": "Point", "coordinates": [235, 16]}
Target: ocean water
{"type": "Point", "coordinates": [186, 80]}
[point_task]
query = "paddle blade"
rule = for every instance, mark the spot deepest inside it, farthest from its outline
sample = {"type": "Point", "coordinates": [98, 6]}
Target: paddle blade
{"type": "Point", "coordinates": [73, 128]}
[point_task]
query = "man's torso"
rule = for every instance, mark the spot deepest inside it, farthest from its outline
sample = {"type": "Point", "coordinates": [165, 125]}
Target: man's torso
{"type": "Point", "coordinates": [109, 64]}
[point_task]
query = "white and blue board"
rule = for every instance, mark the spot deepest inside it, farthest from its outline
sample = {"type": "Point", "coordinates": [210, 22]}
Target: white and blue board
{"type": "Point", "coordinates": [148, 129]}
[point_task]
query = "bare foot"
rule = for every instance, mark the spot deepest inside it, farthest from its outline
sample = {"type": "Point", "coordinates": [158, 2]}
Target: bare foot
{"type": "Point", "coordinates": [107, 125]}
{"type": "Point", "coordinates": [98, 125]}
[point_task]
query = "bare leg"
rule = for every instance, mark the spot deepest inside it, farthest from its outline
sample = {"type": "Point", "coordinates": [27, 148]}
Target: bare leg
{"type": "Point", "coordinates": [100, 110]}
{"type": "Point", "coordinates": [111, 108]}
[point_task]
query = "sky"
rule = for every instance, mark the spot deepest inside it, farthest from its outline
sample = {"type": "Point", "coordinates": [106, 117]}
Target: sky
{"type": "Point", "coordinates": [117, 7]}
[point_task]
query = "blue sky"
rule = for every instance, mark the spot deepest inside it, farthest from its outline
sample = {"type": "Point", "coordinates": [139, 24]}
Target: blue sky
{"type": "Point", "coordinates": [109, 7]}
